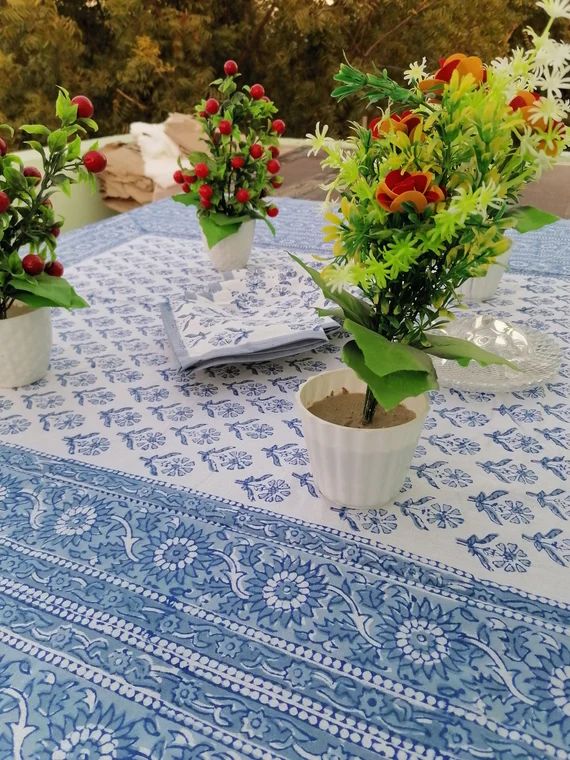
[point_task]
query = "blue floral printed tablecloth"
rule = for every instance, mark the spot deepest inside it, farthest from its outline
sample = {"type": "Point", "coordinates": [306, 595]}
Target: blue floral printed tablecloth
{"type": "Point", "coordinates": [172, 586]}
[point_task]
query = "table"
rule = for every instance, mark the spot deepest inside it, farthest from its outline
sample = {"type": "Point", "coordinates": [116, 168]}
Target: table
{"type": "Point", "coordinates": [172, 586]}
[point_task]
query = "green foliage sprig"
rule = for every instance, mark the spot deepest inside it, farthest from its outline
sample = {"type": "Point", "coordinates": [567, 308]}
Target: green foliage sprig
{"type": "Point", "coordinates": [29, 271]}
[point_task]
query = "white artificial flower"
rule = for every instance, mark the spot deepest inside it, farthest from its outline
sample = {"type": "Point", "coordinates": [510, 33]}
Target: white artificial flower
{"type": "Point", "coordinates": [556, 8]}
{"type": "Point", "coordinates": [528, 145]}
{"type": "Point", "coordinates": [319, 139]}
{"type": "Point", "coordinates": [553, 81]}
{"type": "Point", "coordinates": [416, 72]}
{"type": "Point", "coordinates": [547, 109]}
{"type": "Point", "coordinates": [552, 54]}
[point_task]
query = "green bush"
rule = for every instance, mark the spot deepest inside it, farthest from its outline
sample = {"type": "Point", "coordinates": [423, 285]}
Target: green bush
{"type": "Point", "coordinates": [140, 59]}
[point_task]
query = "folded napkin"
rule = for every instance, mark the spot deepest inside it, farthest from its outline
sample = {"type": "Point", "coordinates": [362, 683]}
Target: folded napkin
{"type": "Point", "coordinates": [251, 315]}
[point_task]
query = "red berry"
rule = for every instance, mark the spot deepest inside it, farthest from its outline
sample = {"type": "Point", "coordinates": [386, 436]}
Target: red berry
{"type": "Point", "coordinates": [33, 173]}
{"type": "Point", "coordinates": [55, 231]}
{"type": "Point", "coordinates": [230, 68]}
{"type": "Point", "coordinates": [178, 177]}
{"type": "Point", "coordinates": [190, 179]}
{"type": "Point", "coordinates": [212, 106]}
{"type": "Point", "coordinates": [185, 187]}
{"type": "Point", "coordinates": [94, 161]}
{"type": "Point", "coordinates": [3, 147]}
{"type": "Point", "coordinates": [242, 195]}
{"type": "Point", "coordinates": [256, 150]}
{"type": "Point", "coordinates": [225, 127]}
{"type": "Point", "coordinates": [237, 162]}
{"type": "Point", "coordinates": [4, 202]}
{"type": "Point", "coordinates": [201, 171]}
{"type": "Point", "coordinates": [203, 114]}
{"type": "Point", "coordinates": [85, 108]}
{"type": "Point", "coordinates": [272, 211]}
{"type": "Point", "coordinates": [205, 192]}
{"type": "Point", "coordinates": [273, 166]}
{"type": "Point", "coordinates": [274, 151]}
{"type": "Point", "coordinates": [257, 91]}
{"type": "Point", "coordinates": [278, 125]}
{"type": "Point", "coordinates": [47, 202]}
{"type": "Point", "coordinates": [276, 182]}
{"type": "Point", "coordinates": [32, 264]}
{"type": "Point", "coordinates": [205, 203]}
{"type": "Point", "coordinates": [54, 269]}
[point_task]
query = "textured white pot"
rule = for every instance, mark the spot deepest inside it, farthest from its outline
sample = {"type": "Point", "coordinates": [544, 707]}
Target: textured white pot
{"type": "Point", "coordinates": [25, 344]}
{"type": "Point", "coordinates": [478, 289]}
{"type": "Point", "coordinates": [233, 251]}
{"type": "Point", "coordinates": [352, 467]}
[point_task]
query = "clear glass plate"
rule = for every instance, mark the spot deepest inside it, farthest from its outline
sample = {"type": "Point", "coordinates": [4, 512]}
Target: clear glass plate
{"type": "Point", "coordinates": [536, 354]}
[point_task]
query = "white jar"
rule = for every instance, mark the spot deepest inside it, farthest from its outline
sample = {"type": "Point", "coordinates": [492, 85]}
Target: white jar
{"type": "Point", "coordinates": [357, 467]}
{"type": "Point", "coordinates": [25, 345]}
{"type": "Point", "coordinates": [234, 250]}
{"type": "Point", "coordinates": [477, 289]}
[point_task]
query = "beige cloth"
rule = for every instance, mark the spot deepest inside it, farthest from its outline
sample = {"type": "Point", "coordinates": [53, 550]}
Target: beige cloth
{"type": "Point", "coordinates": [123, 183]}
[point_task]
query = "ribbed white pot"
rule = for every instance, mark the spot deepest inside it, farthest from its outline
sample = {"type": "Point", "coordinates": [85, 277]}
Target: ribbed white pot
{"type": "Point", "coordinates": [233, 251]}
{"type": "Point", "coordinates": [25, 345]}
{"type": "Point", "coordinates": [477, 289]}
{"type": "Point", "coordinates": [352, 467]}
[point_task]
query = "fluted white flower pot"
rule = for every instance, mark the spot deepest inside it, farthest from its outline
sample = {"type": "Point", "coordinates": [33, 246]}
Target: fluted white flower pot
{"type": "Point", "coordinates": [353, 467]}
{"type": "Point", "coordinates": [233, 251]}
{"type": "Point", "coordinates": [477, 289]}
{"type": "Point", "coordinates": [25, 345]}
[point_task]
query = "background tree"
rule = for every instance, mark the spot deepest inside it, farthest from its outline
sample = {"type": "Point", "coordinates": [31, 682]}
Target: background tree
{"type": "Point", "coordinates": [141, 59]}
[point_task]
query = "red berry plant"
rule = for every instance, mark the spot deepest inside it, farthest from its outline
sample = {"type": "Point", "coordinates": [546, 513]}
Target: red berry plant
{"type": "Point", "coordinates": [29, 269]}
{"type": "Point", "coordinates": [229, 183]}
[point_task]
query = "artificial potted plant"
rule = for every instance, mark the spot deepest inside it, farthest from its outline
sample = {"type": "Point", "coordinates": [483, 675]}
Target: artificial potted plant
{"type": "Point", "coordinates": [230, 181]}
{"type": "Point", "coordinates": [427, 193]}
{"type": "Point", "coordinates": [31, 276]}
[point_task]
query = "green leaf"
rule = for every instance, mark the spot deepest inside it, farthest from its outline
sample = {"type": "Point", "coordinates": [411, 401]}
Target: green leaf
{"type": "Point", "coordinates": [64, 110]}
{"type": "Point", "coordinates": [529, 218]}
{"type": "Point", "coordinates": [35, 129]}
{"type": "Point", "coordinates": [93, 126]}
{"type": "Point", "coordinates": [462, 351]}
{"type": "Point", "coordinates": [198, 157]}
{"type": "Point", "coordinates": [186, 199]}
{"type": "Point", "coordinates": [74, 148]}
{"type": "Point", "coordinates": [215, 232]}
{"type": "Point", "coordinates": [392, 389]}
{"type": "Point", "coordinates": [223, 220]}
{"type": "Point", "coordinates": [354, 308]}
{"type": "Point", "coordinates": [385, 357]}
{"type": "Point", "coordinates": [15, 178]}
{"type": "Point", "coordinates": [57, 140]}
{"type": "Point", "coordinates": [55, 290]}
{"type": "Point", "coordinates": [334, 312]}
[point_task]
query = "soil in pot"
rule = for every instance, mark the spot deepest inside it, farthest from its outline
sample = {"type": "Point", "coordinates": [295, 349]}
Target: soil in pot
{"type": "Point", "coordinates": [345, 409]}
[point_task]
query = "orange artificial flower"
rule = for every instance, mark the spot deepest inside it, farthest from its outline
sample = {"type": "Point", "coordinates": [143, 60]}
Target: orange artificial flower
{"type": "Point", "coordinates": [463, 64]}
{"type": "Point", "coordinates": [407, 121]}
{"type": "Point", "coordinates": [404, 187]}
{"type": "Point", "coordinates": [524, 102]}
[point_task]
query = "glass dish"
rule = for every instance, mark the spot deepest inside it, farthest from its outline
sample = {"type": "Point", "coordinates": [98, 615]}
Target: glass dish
{"type": "Point", "coordinates": [536, 354]}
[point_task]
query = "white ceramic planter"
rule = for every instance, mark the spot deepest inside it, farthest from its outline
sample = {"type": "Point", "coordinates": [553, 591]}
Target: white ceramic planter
{"type": "Point", "coordinates": [25, 344]}
{"type": "Point", "coordinates": [233, 251]}
{"type": "Point", "coordinates": [352, 467]}
{"type": "Point", "coordinates": [478, 289]}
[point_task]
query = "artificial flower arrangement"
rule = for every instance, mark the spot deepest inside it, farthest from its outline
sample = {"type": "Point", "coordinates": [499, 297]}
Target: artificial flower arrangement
{"type": "Point", "coordinates": [230, 181]}
{"type": "Point", "coordinates": [31, 276]}
{"type": "Point", "coordinates": [427, 192]}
